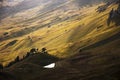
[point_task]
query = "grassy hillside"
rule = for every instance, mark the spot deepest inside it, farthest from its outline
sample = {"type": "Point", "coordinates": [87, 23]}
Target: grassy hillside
{"type": "Point", "coordinates": [69, 30]}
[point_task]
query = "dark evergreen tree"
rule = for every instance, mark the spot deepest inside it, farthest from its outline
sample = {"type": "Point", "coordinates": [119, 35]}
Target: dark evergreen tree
{"type": "Point", "coordinates": [44, 50]}
{"type": "Point", "coordinates": [33, 51]}
{"type": "Point", "coordinates": [17, 59]}
{"type": "Point", "coordinates": [28, 54]}
{"type": "Point", "coordinates": [1, 67]}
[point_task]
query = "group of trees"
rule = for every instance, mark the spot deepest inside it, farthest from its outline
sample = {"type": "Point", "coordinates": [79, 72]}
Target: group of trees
{"type": "Point", "coordinates": [102, 8]}
{"type": "Point", "coordinates": [13, 62]}
{"type": "Point", "coordinates": [114, 16]}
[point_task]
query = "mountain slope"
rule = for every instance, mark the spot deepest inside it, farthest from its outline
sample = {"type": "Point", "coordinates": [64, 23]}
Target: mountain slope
{"type": "Point", "coordinates": [77, 39]}
{"type": "Point", "coordinates": [90, 47]}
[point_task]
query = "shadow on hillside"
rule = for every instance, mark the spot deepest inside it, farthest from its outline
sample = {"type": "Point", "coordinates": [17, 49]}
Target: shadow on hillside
{"type": "Point", "coordinates": [42, 58]}
{"type": "Point", "coordinates": [30, 66]}
{"type": "Point", "coordinates": [78, 33]}
{"type": "Point", "coordinates": [75, 31]}
{"type": "Point", "coordinates": [103, 42]}
{"type": "Point", "coordinates": [81, 30]}
{"type": "Point", "coordinates": [6, 76]}
{"type": "Point", "coordinates": [85, 67]}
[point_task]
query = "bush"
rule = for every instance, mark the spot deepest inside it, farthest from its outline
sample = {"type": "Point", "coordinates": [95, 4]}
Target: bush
{"type": "Point", "coordinates": [6, 33]}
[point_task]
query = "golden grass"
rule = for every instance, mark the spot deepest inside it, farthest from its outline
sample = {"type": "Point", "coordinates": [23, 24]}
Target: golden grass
{"type": "Point", "coordinates": [62, 39]}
